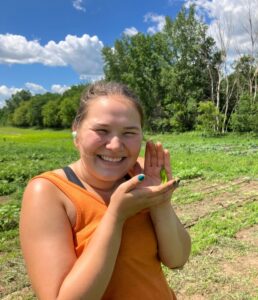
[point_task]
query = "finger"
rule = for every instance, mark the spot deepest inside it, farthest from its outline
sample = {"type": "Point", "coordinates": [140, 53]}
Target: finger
{"type": "Point", "coordinates": [130, 184]}
{"type": "Point", "coordinates": [147, 158]}
{"type": "Point", "coordinates": [154, 191]}
{"type": "Point", "coordinates": [160, 155]}
{"type": "Point", "coordinates": [167, 164]}
{"type": "Point", "coordinates": [153, 154]}
{"type": "Point", "coordinates": [157, 194]}
{"type": "Point", "coordinates": [153, 195]}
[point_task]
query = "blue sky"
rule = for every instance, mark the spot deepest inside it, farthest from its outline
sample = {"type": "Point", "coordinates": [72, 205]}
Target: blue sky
{"type": "Point", "coordinates": [49, 45]}
{"type": "Point", "coordinates": [42, 42]}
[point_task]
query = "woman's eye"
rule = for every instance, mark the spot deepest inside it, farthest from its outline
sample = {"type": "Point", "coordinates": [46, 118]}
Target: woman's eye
{"type": "Point", "coordinates": [101, 131]}
{"type": "Point", "coordinates": [129, 133]}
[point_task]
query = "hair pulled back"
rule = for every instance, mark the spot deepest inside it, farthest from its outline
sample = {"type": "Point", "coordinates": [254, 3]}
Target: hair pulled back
{"type": "Point", "coordinates": [105, 88]}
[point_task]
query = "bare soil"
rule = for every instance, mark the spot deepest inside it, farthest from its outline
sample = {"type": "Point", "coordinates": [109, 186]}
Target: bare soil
{"type": "Point", "coordinates": [216, 196]}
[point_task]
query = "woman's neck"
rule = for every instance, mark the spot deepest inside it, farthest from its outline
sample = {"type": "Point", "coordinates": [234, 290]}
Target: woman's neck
{"type": "Point", "coordinates": [103, 188]}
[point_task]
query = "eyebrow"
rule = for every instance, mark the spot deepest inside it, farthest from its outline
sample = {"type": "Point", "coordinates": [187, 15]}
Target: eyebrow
{"type": "Point", "coordinates": [127, 127]}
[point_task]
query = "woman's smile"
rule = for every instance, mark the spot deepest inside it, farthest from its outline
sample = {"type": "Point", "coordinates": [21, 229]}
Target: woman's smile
{"type": "Point", "coordinates": [111, 159]}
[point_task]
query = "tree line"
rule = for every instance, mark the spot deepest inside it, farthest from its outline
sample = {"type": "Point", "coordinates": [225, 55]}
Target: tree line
{"type": "Point", "coordinates": [180, 75]}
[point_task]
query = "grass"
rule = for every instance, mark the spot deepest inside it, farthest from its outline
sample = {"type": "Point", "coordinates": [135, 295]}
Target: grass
{"type": "Point", "coordinates": [222, 223]}
{"type": "Point", "coordinates": [219, 158]}
{"type": "Point", "coordinates": [208, 168]}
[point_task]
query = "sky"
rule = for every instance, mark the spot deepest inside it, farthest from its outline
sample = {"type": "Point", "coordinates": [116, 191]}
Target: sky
{"type": "Point", "coordinates": [50, 45]}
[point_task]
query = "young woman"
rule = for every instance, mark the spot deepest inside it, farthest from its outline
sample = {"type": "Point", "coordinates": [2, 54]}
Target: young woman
{"type": "Point", "coordinates": [100, 228]}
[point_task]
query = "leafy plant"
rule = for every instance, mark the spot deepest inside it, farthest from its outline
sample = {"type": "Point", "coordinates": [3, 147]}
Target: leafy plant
{"type": "Point", "coordinates": [9, 216]}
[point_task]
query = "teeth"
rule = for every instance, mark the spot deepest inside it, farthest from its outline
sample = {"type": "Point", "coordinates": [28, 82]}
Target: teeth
{"type": "Point", "coordinates": [113, 159]}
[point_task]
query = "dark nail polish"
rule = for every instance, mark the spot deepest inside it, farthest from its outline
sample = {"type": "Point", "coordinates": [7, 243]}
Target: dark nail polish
{"type": "Point", "coordinates": [141, 177]}
{"type": "Point", "coordinates": [176, 183]}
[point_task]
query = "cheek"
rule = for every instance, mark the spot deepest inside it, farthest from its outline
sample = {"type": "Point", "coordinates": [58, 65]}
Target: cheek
{"type": "Point", "coordinates": [88, 143]}
{"type": "Point", "coordinates": [135, 146]}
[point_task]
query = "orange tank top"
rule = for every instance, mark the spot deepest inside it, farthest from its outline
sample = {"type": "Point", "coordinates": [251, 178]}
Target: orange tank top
{"type": "Point", "coordinates": [137, 272]}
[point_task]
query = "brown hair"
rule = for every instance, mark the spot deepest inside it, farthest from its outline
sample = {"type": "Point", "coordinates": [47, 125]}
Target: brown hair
{"type": "Point", "coordinates": [104, 88]}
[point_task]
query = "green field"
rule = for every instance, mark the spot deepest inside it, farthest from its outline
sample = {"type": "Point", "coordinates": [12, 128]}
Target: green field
{"type": "Point", "coordinates": [217, 202]}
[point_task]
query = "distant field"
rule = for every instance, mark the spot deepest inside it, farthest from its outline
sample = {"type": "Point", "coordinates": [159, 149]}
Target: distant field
{"type": "Point", "coordinates": [217, 202]}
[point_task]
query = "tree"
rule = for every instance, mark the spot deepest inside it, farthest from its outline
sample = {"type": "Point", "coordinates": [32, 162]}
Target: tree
{"type": "Point", "coordinates": [165, 68]}
{"type": "Point", "coordinates": [69, 105]}
{"type": "Point", "coordinates": [244, 119]}
{"type": "Point", "coordinates": [68, 108]}
{"type": "Point", "coordinates": [13, 103]}
{"type": "Point", "coordinates": [186, 77]}
{"type": "Point", "coordinates": [137, 61]}
{"type": "Point", "coordinates": [208, 114]}
{"type": "Point", "coordinates": [34, 114]}
{"type": "Point", "coordinates": [20, 115]}
{"type": "Point", "coordinates": [51, 114]}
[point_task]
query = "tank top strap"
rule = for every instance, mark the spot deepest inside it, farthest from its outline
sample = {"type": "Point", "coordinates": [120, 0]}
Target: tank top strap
{"type": "Point", "coordinates": [71, 176]}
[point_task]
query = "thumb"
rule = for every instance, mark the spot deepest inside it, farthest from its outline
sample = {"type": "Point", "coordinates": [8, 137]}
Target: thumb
{"type": "Point", "coordinates": [132, 183]}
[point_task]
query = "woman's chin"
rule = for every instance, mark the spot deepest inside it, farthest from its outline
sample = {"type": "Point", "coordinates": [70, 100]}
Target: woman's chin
{"type": "Point", "coordinates": [111, 177]}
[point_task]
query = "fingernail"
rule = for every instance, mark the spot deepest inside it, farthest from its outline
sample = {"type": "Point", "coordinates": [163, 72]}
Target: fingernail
{"type": "Point", "coordinates": [141, 177]}
{"type": "Point", "coordinates": [176, 183]}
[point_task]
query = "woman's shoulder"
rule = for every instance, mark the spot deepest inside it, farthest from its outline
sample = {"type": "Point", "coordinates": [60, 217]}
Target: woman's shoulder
{"type": "Point", "coordinates": [44, 176]}
{"type": "Point", "coordinates": [42, 185]}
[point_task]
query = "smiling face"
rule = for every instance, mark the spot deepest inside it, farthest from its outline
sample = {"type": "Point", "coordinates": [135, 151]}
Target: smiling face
{"type": "Point", "coordinates": [109, 139]}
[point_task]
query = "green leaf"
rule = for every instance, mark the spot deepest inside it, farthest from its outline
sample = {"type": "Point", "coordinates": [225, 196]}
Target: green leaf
{"type": "Point", "coordinates": [163, 175]}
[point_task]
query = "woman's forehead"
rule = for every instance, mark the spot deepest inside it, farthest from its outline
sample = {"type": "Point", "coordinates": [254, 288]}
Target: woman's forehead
{"type": "Point", "coordinates": [114, 103]}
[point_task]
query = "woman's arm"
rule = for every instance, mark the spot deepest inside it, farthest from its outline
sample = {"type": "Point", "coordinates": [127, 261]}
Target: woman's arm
{"type": "Point", "coordinates": [48, 248]}
{"type": "Point", "coordinates": [47, 240]}
{"type": "Point", "coordinates": [174, 243]}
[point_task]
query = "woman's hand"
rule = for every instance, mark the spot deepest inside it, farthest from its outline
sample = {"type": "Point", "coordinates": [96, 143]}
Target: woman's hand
{"type": "Point", "coordinates": [135, 195]}
{"type": "Point", "coordinates": [156, 159]}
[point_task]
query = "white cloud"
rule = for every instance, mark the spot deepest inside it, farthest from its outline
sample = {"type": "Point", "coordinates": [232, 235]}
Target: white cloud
{"type": "Point", "coordinates": [16, 49]}
{"type": "Point", "coordinates": [130, 31]}
{"type": "Point", "coordinates": [6, 93]}
{"type": "Point", "coordinates": [59, 89]}
{"type": "Point", "coordinates": [83, 53]}
{"type": "Point", "coordinates": [158, 20]}
{"type": "Point", "coordinates": [78, 4]}
{"type": "Point", "coordinates": [91, 78]}
{"type": "Point", "coordinates": [229, 19]}
{"type": "Point", "coordinates": [35, 88]}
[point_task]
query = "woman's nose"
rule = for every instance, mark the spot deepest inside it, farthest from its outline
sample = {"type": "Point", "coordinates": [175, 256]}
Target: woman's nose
{"type": "Point", "coordinates": [114, 143]}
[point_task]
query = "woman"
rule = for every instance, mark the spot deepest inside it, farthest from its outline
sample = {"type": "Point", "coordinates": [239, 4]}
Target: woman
{"type": "Point", "coordinates": [100, 228]}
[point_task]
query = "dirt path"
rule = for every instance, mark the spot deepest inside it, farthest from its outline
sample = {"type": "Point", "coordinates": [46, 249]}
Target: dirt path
{"type": "Point", "coordinates": [216, 197]}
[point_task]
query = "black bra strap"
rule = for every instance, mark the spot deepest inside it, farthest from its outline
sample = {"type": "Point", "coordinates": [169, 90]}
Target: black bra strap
{"type": "Point", "coordinates": [71, 176]}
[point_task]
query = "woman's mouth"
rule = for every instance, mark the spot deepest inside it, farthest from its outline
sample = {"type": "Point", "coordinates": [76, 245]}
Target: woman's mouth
{"type": "Point", "coordinates": [111, 159]}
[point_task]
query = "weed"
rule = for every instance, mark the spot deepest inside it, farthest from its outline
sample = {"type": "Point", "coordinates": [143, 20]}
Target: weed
{"type": "Point", "coordinates": [9, 216]}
